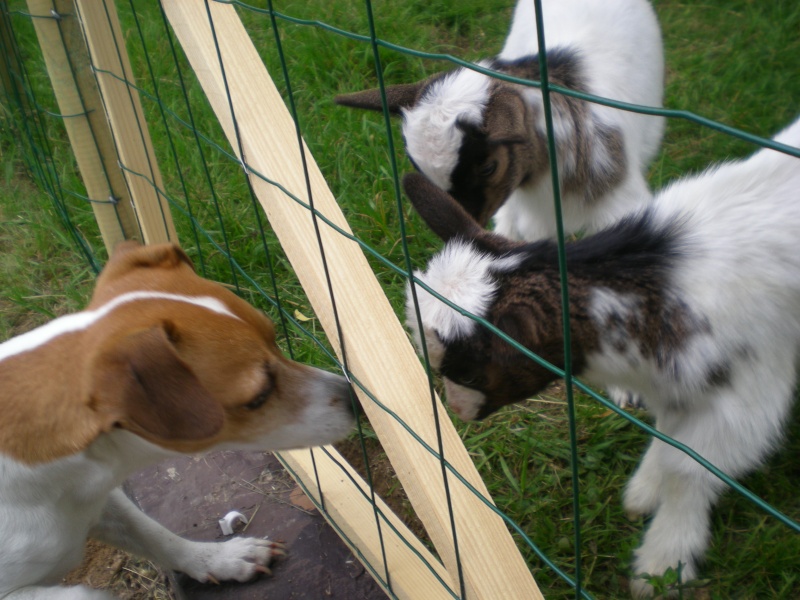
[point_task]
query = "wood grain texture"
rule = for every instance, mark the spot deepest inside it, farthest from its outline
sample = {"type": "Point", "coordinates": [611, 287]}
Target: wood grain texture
{"type": "Point", "coordinates": [378, 350]}
{"type": "Point", "coordinates": [78, 98]}
{"type": "Point", "coordinates": [123, 109]}
{"type": "Point", "coordinates": [349, 506]}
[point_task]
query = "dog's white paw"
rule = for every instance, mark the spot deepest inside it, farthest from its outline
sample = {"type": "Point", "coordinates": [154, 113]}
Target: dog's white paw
{"type": "Point", "coordinates": [625, 398]}
{"type": "Point", "coordinates": [238, 559]}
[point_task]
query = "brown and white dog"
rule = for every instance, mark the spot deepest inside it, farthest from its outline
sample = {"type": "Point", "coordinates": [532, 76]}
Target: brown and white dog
{"type": "Point", "coordinates": [162, 362]}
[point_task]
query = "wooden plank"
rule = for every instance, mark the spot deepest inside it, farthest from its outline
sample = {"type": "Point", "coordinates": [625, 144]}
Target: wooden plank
{"type": "Point", "coordinates": [123, 109]}
{"type": "Point", "coordinates": [75, 88]}
{"type": "Point", "coordinates": [378, 350]}
{"type": "Point", "coordinates": [350, 509]}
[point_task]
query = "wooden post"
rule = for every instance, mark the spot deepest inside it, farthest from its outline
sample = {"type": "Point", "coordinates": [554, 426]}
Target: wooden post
{"type": "Point", "coordinates": [75, 88]}
{"type": "Point", "coordinates": [378, 350]}
{"type": "Point", "coordinates": [123, 109]}
{"type": "Point", "coordinates": [348, 506]}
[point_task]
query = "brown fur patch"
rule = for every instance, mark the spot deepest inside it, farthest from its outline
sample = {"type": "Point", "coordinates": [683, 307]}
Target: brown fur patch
{"type": "Point", "coordinates": [578, 171]}
{"type": "Point", "coordinates": [174, 373]}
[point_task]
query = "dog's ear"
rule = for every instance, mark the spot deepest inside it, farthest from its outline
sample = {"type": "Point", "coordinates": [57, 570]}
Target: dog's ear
{"type": "Point", "coordinates": [129, 255]}
{"type": "Point", "coordinates": [141, 384]}
{"type": "Point", "coordinates": [398, 97]}
{"type": "Point", "coordinates": [127, 258]}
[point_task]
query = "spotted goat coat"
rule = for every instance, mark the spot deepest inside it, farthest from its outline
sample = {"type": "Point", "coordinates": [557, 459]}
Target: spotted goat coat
{"type": "Point", "coordinates": [484, 140]}
{"type": "Point", "coordinates": [693, 301]}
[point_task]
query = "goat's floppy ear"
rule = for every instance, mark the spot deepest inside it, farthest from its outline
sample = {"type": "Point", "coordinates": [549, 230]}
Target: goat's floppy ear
{"type": "Point", "coordinates": [518, 326]}
{"type": "Point", "coordinates": [141, 384]}
{"type": "Point", "coordinates": [446, 217]}
{"type": "Point", "coordinates": [397, 97]}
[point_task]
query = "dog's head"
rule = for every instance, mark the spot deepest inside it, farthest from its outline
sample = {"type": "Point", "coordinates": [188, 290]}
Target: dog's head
{"type": "Point", "coordinates": [185, 364]}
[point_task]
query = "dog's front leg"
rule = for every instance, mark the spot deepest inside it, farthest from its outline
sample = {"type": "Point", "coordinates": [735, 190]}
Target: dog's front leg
{"type": "Point", "coordinates": [76, 592]}
{"type": "Point", "coordinates": [240, 559]}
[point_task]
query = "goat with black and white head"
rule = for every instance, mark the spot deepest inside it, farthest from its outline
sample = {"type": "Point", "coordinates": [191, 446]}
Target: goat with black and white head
{"type": "Point", "coordinates": [693, 301]}
{"type": "Point", "coordinates": [483, 140]}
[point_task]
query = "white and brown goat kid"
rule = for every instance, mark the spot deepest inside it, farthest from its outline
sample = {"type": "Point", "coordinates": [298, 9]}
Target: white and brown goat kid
{"type": "Point", "coordinates": [693, 302]}
{"type": "Point", "coordinates": [484, 140]}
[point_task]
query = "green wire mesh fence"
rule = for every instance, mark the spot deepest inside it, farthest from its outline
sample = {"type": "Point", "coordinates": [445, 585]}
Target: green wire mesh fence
{"type": "Point", "coordinates": [556, 466]}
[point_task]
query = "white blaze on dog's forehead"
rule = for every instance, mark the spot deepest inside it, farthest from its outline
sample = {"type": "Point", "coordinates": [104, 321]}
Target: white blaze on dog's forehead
{"type": "Point", "coordinates": [83, 320]}
{"type": "Point", "coordinates": [432, 138]}
{"type": "Point", "coordinates": [461, 274]}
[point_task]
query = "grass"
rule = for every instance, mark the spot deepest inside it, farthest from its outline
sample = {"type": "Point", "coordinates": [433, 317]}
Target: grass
{"type": "Point", "coordinates": [729, 60]}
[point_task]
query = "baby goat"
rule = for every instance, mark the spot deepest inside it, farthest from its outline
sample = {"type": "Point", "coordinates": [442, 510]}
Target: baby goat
{"type": "Point", "coordinates": [483, 140]}
{"type": "Point", "coordinates": [693, 301]}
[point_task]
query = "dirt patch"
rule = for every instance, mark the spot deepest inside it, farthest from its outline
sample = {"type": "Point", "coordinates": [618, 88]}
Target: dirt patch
{"type": "Point", "coordinates": [384, 480]}
{"type": "Point", "coordinates": [131, 578]}
{"type": "Point", "coordinates": [125, 576]}
{"type": "Point", "coordinates": [188, 495]}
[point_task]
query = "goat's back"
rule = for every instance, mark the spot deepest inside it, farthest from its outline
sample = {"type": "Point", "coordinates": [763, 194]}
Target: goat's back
{"type": "Point", "coordinates": [620, 47]}
{"type": "Point", "coordinates": [740, 224]}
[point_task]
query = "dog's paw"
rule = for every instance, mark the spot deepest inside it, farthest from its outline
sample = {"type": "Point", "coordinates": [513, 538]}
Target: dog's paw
{"type": "Point", "coordinates": [238, 559]}
{"type": "Point", "coordinates": [625, 398]}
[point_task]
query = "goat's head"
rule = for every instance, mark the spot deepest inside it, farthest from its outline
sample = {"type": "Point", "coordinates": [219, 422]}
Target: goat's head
{"type": "Point", "coordinates": [483, 274]}
{"type": "Point", "coordinates": [470, 134]}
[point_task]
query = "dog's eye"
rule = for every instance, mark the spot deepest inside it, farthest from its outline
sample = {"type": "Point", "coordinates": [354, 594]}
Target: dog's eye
{"type": "Point", "coordinates": [259, 401]}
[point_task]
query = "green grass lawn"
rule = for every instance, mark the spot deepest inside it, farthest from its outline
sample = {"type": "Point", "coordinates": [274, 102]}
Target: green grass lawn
{"type": "Point", "coordinates": [734, 61]}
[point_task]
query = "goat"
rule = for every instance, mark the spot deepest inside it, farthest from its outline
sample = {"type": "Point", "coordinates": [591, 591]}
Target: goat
{"type": "Point", "coordinates": [693, 301]}
{"type": "Point", "coordinates": [483, 139]}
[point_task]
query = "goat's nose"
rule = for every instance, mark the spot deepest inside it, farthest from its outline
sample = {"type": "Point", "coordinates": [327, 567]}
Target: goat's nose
{"type": "Point", "coordinates": [350, 398]}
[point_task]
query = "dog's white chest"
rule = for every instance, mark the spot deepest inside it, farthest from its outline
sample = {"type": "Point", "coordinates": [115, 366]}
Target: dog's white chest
{"type": "Point", "coordinates": [46, 512]}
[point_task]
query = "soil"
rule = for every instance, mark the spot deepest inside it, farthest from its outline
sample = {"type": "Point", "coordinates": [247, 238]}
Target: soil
{"type": "Point", "coordinates": [127, 577]}
{"type": "Point", "coordinates": [190, 494]}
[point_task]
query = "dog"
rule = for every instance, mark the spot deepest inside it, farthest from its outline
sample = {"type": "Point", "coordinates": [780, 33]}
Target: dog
{"type": "Point", "coordinates": [162, 362]}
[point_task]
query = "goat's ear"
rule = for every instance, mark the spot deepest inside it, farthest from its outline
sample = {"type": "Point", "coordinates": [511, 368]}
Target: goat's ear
{"type": "Point", "coordinates": [443, 214]}
{"type": "Point", "coordinates": [520, 325]}
{"type": "Point", "coordinates": [397, 97]}
{"type": "Point", "coordinates": [141, 384]}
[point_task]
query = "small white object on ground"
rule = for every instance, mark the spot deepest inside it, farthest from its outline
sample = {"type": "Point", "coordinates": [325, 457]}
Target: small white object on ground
{"type": "Point", "coordinates": [227, 522]}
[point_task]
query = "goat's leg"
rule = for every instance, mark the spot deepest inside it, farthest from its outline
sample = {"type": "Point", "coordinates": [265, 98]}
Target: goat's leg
{"type": "Point", "coordinates": [644, 491]}
{"type": "Point", "coordinates": [734, 428]}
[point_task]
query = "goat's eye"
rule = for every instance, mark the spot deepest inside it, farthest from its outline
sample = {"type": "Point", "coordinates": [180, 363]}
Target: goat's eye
{"type": "Point", "coordinates": [471, 382]}
{"type": "Point", "coordinates": [487, 169]}
{"type": "Point", "coordinates": [259, 401]}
